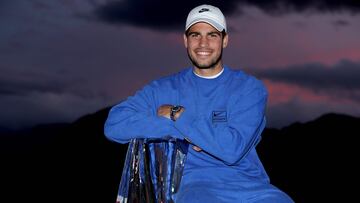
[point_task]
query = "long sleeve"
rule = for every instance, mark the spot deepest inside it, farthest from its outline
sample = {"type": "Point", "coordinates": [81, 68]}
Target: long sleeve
{"type": "Point", "coordinates": [231, 141]}
{"type": "Point", "coordinates": [136, 118]}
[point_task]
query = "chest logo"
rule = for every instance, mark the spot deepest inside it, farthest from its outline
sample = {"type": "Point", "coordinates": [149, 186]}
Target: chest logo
{"type": "Point", "coordinates": [219, 116]}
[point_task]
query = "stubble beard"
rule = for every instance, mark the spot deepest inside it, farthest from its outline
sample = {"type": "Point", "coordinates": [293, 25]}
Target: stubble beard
{"type": "Point", "coordinates": [212, 64]}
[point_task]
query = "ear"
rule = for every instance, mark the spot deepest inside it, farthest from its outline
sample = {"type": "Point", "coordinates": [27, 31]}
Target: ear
{"type": "Point", "coordinates": [225, 40]}
{"type": "Point", "coordinates": [185, 40]}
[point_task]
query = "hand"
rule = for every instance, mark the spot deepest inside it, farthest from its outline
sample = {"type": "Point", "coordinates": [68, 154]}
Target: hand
{"type": "Point", "coordinates": [196, 148]}
{"type": "Point", "coordinates": [165, 110]}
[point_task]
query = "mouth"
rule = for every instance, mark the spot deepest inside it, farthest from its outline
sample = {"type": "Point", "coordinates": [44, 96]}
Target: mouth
{"type": "Point", "coordinates": [203, 52]}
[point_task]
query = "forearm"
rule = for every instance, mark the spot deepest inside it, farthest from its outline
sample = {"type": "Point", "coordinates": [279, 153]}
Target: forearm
{"type": "Point", "coordinates": [231, 139]}
{"type": "Point", "coordinates": [125, 123]}
{"type": "Point", "coordinates": [226, 143]}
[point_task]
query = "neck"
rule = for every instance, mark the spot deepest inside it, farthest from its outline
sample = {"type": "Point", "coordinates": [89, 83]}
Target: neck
{"type": "Point", "coordinates": [210, 77]}
{"type": "Point", "coordinates": [208, 72]}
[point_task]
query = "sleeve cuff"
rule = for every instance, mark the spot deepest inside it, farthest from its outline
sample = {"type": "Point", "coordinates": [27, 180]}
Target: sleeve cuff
{"type": "Point", "coordinates": [173, 132]}
{"type": "Point", "coordinates": [184, 123]}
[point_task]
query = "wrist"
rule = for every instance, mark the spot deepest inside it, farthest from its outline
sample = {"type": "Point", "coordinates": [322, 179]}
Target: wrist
{"type": "Point", "coordinates": [174, 112]}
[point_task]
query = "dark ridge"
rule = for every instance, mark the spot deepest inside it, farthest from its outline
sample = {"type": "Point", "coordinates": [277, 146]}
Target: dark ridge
{"type": "Point", "coordinates": [312, 161]}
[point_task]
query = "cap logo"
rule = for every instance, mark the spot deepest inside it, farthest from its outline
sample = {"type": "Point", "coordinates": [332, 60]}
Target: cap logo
{"type": "Point", "coordinates": [203, 10]}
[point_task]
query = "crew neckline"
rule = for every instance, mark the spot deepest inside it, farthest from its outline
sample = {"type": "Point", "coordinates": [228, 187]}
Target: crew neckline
{"type": "Point", "coordinates": [221, 78]}
{"type": "Point", "coordinates": [210, 77]}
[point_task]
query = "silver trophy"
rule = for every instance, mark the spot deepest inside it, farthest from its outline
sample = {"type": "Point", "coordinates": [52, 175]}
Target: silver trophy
{"type": "Point", "coordinates": [152, 170]}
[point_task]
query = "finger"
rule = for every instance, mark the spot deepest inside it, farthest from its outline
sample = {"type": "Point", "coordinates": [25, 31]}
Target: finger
{"type": "Point", "coordinates": [196, 148]}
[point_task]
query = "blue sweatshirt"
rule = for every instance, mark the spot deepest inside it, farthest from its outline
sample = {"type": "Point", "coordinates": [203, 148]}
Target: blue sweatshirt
{"type": "Point", "coordinates": [223, 116]}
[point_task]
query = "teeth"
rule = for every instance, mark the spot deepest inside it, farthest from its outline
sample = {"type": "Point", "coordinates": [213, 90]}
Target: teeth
{"type": "Point", "coordinates": [203, 53]}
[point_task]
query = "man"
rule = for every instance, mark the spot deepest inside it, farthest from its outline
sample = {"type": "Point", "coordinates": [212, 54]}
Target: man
{"type": "Point", "coordinates": [219, 111]}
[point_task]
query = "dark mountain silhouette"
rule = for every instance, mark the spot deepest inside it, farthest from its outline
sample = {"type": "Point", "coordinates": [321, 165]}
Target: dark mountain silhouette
{"type": "Point", "coordinates": [61, 163]}
{"type": "Point", "coordinates": [314, 161]}
{"type": "Point", "coordinates": [74, 162]}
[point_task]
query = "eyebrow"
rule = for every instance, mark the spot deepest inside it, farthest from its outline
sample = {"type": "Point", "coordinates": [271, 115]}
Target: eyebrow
{"type": "Point", "coordinates": [193, 32]}
{"type": "Point", "coordinates": [214, 32]}
{"type": "Point", "coordinates": [209, 33]}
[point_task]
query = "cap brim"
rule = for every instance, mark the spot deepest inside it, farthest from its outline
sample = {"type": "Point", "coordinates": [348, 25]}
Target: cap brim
{"type": "Point", "coordinates": [216, 25]}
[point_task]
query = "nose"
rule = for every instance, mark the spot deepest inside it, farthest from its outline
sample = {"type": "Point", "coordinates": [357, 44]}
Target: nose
{"type": "Point", "coordinates": [203, 42]}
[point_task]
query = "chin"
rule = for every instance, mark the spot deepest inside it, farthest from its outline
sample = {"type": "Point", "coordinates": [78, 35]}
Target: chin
{"type": "Point", "coordinates": [204, 67]}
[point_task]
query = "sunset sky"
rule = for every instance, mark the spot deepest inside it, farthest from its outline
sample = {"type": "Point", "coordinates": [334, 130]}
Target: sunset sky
{"type": "Point", "coordinates": [62, 59]}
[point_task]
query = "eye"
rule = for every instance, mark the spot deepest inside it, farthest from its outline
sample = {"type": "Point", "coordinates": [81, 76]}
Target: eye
{"type": "Point", "coordinates": [214, 35]}
{"type": "Point", "coordinates": [194, 35]}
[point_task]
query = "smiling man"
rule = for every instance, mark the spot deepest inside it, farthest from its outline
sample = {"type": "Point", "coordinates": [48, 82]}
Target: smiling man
{"type": "Point", "coordinates": [218, 110]}
{"type": "Point", "coordinates": [204, 45]}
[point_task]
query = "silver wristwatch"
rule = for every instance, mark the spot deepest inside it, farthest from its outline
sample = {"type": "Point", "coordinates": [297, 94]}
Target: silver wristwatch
{"type": "Point", "coordinates": [173, 111]}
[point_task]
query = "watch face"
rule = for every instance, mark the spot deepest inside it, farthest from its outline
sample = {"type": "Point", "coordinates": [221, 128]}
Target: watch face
{"type": "Point", "coordinates": [176, 108]}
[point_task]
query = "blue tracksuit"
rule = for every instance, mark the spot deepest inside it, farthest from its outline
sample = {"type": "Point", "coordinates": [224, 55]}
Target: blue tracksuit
{"type": "Point", "coordinates": [223, 116]}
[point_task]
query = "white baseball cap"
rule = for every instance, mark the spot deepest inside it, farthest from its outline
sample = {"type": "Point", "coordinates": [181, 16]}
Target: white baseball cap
{"type": "Point", "coordinates": [208, 14]}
